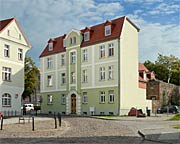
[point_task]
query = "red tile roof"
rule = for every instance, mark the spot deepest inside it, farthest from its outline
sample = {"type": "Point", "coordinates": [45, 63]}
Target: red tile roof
{"type": "Point", "coordinates": [4, 23]}
{"type": "Point", "coordinates": [142, 67]}
{"type": "Point", "coordinates": [96, 35]}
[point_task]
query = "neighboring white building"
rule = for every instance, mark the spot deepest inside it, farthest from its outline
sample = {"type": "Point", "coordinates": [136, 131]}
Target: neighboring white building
{"type": "Point", "coordinates": [13, 48]}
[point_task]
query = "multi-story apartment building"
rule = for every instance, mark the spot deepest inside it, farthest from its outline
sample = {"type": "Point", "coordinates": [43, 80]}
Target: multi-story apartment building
{"type": "Point", "coordinates": [93, 70]}
{"type": "Point", "coordinates": [13, 47]}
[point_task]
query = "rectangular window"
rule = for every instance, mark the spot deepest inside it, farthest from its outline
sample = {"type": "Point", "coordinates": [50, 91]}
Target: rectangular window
{"type": "Point", "coordinates": [84, 72]}
{"type": "Point", "coordinates": [50, 46]}
{"type": "Point", "coordinates": [86, 36]}
{"type": "Point", "coordinates": [64, 42]}
{"type": "Point", "coordinates": [63, 60]}
{"type": "Point", "coordinates": [85, 97]}
{"type": "Point", "coordinates": [49, 80]}
{"type": "Point", "coordinates": [49, 63]}
{"type": "Point", "coordinates": [102, 73]}
{"type": "Point", "coordinates": [63, 99]}
{"type": "Point", "coordinates": [6, 74]}
{"type": "Point", "coordinates": [49, 99]}
{"type": "Point", "coordinates": [6, 100]}
{"type": "Point", "coordinates": [6, 50]}
{"type": "Point", "coordinates": [20, 54]}
{"type": "Point", "coordinates": [85, 55]}
{"type": "Point", "coordinates": [107, 30]}
{"type": "Point", "coordinates": [73, 57]}
{"type": "Point", "coordinates": [110, 72]}
{"type": "Point", "coordinates": [63, 76]}
{"type": "Point", "coordinates": [111, 96]}
{"type": "Point", "coordinates": [111, 50]}
{"type": "Point", "coordinates": [102, 51]}
{"type": "Point", "coordinates": [73, 77]}
{"type": "Point", "coordinates": [102, 97]}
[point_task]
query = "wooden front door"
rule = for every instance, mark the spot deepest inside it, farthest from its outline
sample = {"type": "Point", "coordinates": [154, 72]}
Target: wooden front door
{"type": "Point", "coordinates": [73, 103]}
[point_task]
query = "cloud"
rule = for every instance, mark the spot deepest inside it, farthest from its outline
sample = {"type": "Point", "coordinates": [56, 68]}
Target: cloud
{"type": "Point", "coordinates": [157, 38]}
{"type": "Point", "coordinates": [165, 8]}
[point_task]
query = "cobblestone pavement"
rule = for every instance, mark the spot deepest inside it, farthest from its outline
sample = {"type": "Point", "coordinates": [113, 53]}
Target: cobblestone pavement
{"type": "Point", "coordinates": [77, 130]}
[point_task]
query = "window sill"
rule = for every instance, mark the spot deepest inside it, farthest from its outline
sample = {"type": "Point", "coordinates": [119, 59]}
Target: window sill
{"type": "Point", "coordinates": [85, 103]}
{"type": "Point", "coordinates": [6, 106]}
{"type": "Point", "coordinates": [7, 80]}
{"type": "Point", "coordinates": [102, 103]}
{"type": "Point", "coordinates": [50, 86]}
{"type": "Point", "coordinates": [49, 103]}
{"type": "Point", "coordinates": [110, 102]}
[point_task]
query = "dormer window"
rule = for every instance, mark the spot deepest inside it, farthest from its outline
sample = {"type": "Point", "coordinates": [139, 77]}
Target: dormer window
{"type": "Point", "coordinates": [107, 30]}
{"type": "Point", "coordinates": [64, 42]}
{"type": "Point", "coordinates": [50, 46]}
{"type": "Point", "coordinates": [74, 40]}
{"type": "Point", "coordinates": [71, 41]}
{"type": "Point", "coordinates": [86, 36]}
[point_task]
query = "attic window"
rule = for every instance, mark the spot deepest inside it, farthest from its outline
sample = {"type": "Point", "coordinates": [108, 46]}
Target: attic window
{"type": "Point", "coordinates": [20, 36]}
{"type": "Point", "coordinates": [64, 42]}
{"type": "Point", "coordinates": [107, 30]}
{"type": "Point", "coordinates": [50, 46]}
{"type": "Point", "coordinates": [8, 32]}
{"type": "Point", "coordinates": [86, 36]}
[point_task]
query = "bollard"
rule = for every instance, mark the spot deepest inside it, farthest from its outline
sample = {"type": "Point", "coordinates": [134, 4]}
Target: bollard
{"type": "Point", "coordinates": [32, 123]}
{"type": "Point", "coordinates": [59, 118]}
{"type": "Point", "coordinates": [55, 122]}
{"type": "Point", "coordinates": [1, 122]}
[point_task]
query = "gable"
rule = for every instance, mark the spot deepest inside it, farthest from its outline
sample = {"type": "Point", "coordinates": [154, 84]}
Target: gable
{"type": "Point", "coordinates": [12, 31]}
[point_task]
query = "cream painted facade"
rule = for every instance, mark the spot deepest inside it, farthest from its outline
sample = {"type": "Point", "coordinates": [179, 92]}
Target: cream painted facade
{"type": "Point", "coordinates": [13, 48]}
{"type": "Point", "coordinates": [123, 82]}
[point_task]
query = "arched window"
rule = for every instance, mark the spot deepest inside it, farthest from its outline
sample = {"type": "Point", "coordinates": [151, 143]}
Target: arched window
{"type": "Point", "coordinates": [74, 40]}
{"type": "Point", "coordinates": [71, 41]}
{"type": "Point", "coordinates": [6, 99]}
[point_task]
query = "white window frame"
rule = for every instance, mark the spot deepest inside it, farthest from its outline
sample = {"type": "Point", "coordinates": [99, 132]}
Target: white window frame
{"type": "Point", "coordinates": [85, 55]}
{"type": "Point", "coordinates": [102, 97]}
{"type": "Point", "coordinates": [102, 73]}
{"type": "Point", "coordinates": [63, 78]}
{"type": "Point", "coordinates": [49, 62]}
{"type": "Point", "coordinates": [6, 100]}
{"type": "Point", "coordinates": [63, 99]}
{"type": "Point", "coordinates": [111, 50]}
{"type": "Point", "coordinates": [63, 59]}
{"type": "Point", "coordinates": [85, 98]}
{"type": "Point", "coordinates": [50, 46]}
{"type": "Point", "coordinates": [111, 96]}
{"type": "Point", "coordinates": [85, 78]}
{"type": "Point", "coordinates": [73, 57]}
{"type": "Point", "coordinates": [6, 50]}
{"type": "Point", "coordinates": [102, 51]}
{"type": "Point", "coordinates": [86, 36]}
{"type": "Point", "coordinates": [6, 74]}
{"type": "Point", "coordinates": [49, 99]}
{"type": "Point", "coordinates": [49, 80]}
{"type": "Point", "coordinates": [110, 72]}
{"type": "Point", "coordinates": [108, 30]}
{"type": "Point", "coordinates": [20, 54]}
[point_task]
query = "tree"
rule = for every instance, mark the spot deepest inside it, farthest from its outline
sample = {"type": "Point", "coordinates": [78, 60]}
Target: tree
{"type": "Point", "coordinates": [166, 68]}
{"type": "Point", "coordinates": [30, 76]}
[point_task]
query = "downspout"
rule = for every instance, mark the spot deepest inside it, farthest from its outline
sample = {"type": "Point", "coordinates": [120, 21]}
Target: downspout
{"type": "Point", "coordinates": [119, 77]}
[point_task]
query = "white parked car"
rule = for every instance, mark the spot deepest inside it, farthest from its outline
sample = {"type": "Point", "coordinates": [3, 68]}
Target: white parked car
{"type": "Point", "coordinates": [29, 107]}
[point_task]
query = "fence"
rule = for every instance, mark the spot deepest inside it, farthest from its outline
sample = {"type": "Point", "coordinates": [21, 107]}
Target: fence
{"type": "Point", "coordinates": [11, 113]}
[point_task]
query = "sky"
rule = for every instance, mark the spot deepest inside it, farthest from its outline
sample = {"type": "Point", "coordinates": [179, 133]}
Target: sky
{"type": "Point", "coordinates": [158, 20]}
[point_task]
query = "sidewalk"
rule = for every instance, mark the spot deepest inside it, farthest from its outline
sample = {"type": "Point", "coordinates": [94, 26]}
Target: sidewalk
{"type": "Point", "coordinates": [154, 128]}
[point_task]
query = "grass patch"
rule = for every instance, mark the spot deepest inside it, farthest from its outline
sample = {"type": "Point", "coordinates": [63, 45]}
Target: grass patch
{"type": "Point", "coordinates": [108, 116]}
{"type": "Point", "coordinates": [176, 127]}
{"type": "Point", "coordinates": [175, 118]}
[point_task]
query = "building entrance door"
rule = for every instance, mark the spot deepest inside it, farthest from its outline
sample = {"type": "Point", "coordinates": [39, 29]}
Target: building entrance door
{"type": "Point", "coordinates": [73, 104]}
